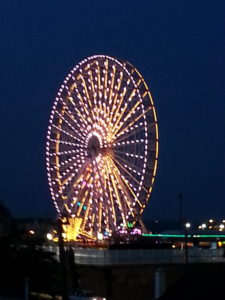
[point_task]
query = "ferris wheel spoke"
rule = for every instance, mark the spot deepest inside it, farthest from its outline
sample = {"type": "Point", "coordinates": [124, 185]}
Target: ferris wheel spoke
{"type": "Point", "coordinates": [85, 220]}
{"type": "Point", "coordinates": [125, 118]}
{"type": "Point", "coordinates": [116, 108]}
{"type": "Point", "coordinates": [96, 190]}
{"type": "Point", "coordinates": [79, 174]}
{"type": "Point", "coordinates": [112, 82]}
{"type": "Point", "coordinates": [123, 110]}
{"type": "Point", "coordinates": [114, 101]}
{"type": "Point", "coordinates": [106, 64]}
{"type": "Point", "coordinates": [98, 92]}
{"type": "Point", "coordinates": [132, 191]}
{"type": "Point", "coordinates": [127, 172]}
{"type": "Point", "coordinates": [100, 216]}
{"type": "Point", "coordinates": [129, 154]}
{"type": "Point", "coordinates": [66, 143]}
{"type": "Point", "coordinates": [70, 152]}
{"type": "Point", "coordinates": [115, 189]}
{"type": "Point", "coordinates": [128, 143]}
{"type": "Point", "coordinates": [98, 75]}
{"type": "Point", "coordinates": [130, 168]}
{"type": "Point", "coordinates": [110, 188]}
{"type": "Point", "coordinates": [71, 165]}
{"type": "Point", "coordinates": [64, 208]}
{"type": "Point", "coordinates": [118, 119]}
{"type": "Point", "coordinates": [121, 181]}
{"type": "Point", "coordinates": [66, 180]}
{"type": "Point", "coordinates": [91, 81]}
{"type": "Point", "coordinates": [81, 206]}
{"type": "Point", "coordinates": [76, 187]}
{"type": "Point", "coordinates": [108, 219]}
{"type": "Point", "coordinates": [122, 129]}
{"type": "Point", "coordinates": [81, 105]}
{"type": "Point", "coordinates": [126, 162]}
{"type": "Point", "coordinates": [69, 125]}
{"type": "Point", "coordinates": [86, 107]}
{"type": "Point", "coordinates": [95, 165]}
{"type": "Point", "coordinates": [71, 116]}
{"type": "Point", "coordinates": [75, 160]}
{"type": "Point", "coordinates": [82, 118]}
{"type": "Point", "coordinates": [78, 113]}
{"type": "Point", "coordinates": [127, 196]}
{"type": "Point", "coordinates": [134, 130]}
{"type": "Point", "coordinates": [93, 106]}
{"type": "Point", "coordinates": [67, 133]}
{"type": "Point", "coordinates": [86, 91]}
{"type": "Point", "coordinates": [119, 85]}
{"type": "Point", "coordinates": [93, 221]}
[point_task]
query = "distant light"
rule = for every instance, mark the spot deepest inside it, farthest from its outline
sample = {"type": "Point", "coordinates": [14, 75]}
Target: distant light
{"type": "Point", "coordinates": [49, 236]}
{"type": "Point", "coordinates": [221, 226]}
{"type": "Point", "coordinates": [123, 231]}
{"type": "Point", "coordinates": [100, 236]}
{"type": "Point", "coordinates": [31, 231]}
{"type": "Point", "coordinates": [219, 244]}
{"type": "Point", "coordinates": [64, 235]}
{"type": "Point", "coordinates": [136, 231]}
{"type": "Point", "coordinates": [173, 246]}
{"type": "Point", "coordinates": [204, 226]}
{"type": "Point", "coordinates": [188, 225]}
{"type": "Point", "coordinates": [210, 220]}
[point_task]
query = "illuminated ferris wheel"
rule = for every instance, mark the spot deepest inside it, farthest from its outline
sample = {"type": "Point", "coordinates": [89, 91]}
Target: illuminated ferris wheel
{"type": "Point", "coordinates": [102, 146]}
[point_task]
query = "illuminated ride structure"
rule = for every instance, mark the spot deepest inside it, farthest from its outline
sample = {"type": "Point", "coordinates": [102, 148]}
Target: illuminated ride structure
{"type": "Point", "coordinates": [102, 147]}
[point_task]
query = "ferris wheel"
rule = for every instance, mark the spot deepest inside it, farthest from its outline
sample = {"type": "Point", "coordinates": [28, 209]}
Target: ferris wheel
{"type": "Point", "coordinates": [102, 145]}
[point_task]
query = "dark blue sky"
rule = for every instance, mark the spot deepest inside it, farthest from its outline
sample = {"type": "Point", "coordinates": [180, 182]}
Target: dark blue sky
{"type": "Point", "coordinates": [179, 48]}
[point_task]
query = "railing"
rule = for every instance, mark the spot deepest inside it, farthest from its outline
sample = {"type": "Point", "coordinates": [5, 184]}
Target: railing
{"type": "Point", "coordinates": [144, 256]}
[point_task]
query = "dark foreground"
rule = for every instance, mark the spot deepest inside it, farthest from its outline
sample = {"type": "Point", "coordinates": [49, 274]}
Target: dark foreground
{"type": "Point", "coordinates": [138, 282]}
{"type": "Point", "coordinates": [44, 273]}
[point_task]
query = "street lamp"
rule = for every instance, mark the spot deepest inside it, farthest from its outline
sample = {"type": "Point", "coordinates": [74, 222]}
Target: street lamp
{"type": "Point", "coordinates": [187, 226]}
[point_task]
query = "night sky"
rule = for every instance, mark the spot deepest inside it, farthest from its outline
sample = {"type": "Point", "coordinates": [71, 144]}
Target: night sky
{"type": "Point", "coordinates": [179, 48]}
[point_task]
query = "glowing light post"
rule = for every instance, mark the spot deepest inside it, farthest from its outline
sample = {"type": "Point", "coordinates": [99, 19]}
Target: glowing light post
{"type": "Point", "coordinates": [187, 226]}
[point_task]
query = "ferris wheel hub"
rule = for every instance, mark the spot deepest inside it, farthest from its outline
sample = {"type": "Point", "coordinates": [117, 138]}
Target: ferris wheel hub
{"type": "Point", "coordinates": [93, 147]}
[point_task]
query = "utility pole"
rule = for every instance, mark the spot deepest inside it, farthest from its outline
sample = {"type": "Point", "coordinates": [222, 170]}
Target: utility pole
{"type": "Point", "coordinates": [181, 210]}
{"type": "Point", "coordinates": [186, 228]}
